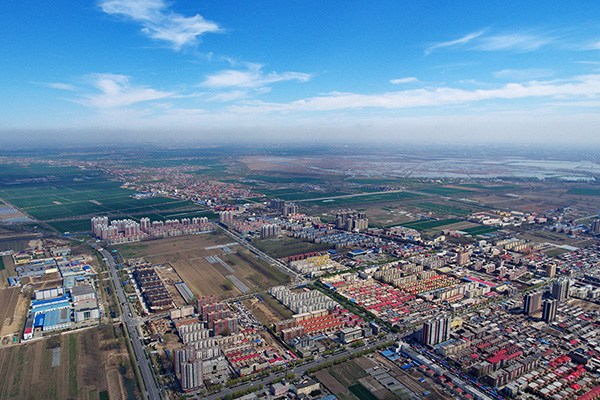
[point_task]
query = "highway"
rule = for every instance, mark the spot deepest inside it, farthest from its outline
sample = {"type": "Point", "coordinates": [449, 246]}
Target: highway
{"type": "Point", "coordinates": [274, 262]}
{"type": "Point", "coordinates": [143, 363]}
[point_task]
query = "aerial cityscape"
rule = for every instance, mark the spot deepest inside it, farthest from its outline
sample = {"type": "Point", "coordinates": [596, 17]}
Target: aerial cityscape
{"type": "Point", "coordinates": [316, 200]}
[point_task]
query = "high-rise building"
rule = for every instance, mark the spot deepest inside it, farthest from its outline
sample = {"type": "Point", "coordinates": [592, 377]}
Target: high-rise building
{"type": "Point", "coordinates": [462, 257]}
{"type": "Point", "coordinates": [532, 303]}
{"type": "Point", "coordinates": [595, 227]}
{"type": "Point", "coordinates": [549, 312]}
{"type": "Point", "coordinates": [550, 270]}
{"type": "Point", "coordinates": [560, 289]}
{"type": "Point", "coordinates": [436, 331]}
{"type": "Point", "coordinates": [290, 209]}
{"type": "Point", "coordinates": [351, 220]}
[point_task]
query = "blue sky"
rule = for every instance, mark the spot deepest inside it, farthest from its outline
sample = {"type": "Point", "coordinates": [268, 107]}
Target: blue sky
{"type": "Point", "coordinates": [277, 70]}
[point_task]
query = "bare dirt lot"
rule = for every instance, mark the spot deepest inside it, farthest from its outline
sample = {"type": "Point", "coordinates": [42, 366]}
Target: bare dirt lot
{"type": "Point", "coordinates": [13, 308]}
{"type": "Point", "coordinates": [205, 261]}
{"type": "Point", "coordinates": [86, 367]}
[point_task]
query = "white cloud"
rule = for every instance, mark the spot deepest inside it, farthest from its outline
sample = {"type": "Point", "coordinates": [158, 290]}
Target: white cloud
{"type": "Point", "coordinates": [456, 42]}
{"type": "Point", "coordinates": [252, 77]}
{"type": "Point", "coordinates": [116, 91]}
{"type": "Point", "coordinates": [160, 23]}
{"type": "Point", "coordinates": [523, 74]}
{"type": "Point", "coordinates": [400, 81]}
{"type": "Point", "coordinates": [576, 88]}
{"type": "Point", "coordinates": [60, 86]}
{"type": "Point", "coordinates": [594, 45]}
{"type": "Point", "coordinates": [512, 41]}
{"type": "Point", "coordinates": [229, 96]}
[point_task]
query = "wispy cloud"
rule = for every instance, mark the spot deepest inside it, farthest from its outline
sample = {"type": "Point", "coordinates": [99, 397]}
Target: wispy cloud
{"type": "Point", "coordinates": [251, 78]}
{"type": "Point", "coordinates": [523, 74]}
{"type": "Point", "coordinates": [159, 22]}
{"type": "Point", "coordinates": [509, 41]}
{"type": "Point", "coordinates": [594, 45]}
{"type": "Point", "coordinates": [576, 88]}
{"type": "Point", "coordinates": [455, 42]}
{"type": "Point", "coordinates": [117, 91]}
{"type": "Point", "coordinates": [229, 96]}
{"type": "Point", "coordinates": [59, 86]}
{"type": "Point", "coordinates": [400, 81]}
{"type": "Point", "coordinates": [514, 41]}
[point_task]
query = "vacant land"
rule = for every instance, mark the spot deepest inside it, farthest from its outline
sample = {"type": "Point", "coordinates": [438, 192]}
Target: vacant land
{"type": "Point", "coordinates": [287, 246]}
{"type": "Point", "coordinates": [204, 263]}
{"type": "Point", "coordinates": [13, 307]}
{"type": "Point", "coordinates": [556, 238]}
{"type": "Point", "coordinates": [85, 366]}
{"type": "Point", "coordinates": [427, 224]}
{"type": "Point", "coordinates": [266, 311]}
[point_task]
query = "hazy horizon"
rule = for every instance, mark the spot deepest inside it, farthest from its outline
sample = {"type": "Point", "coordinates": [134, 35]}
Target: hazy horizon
{"type": "Point", "coordinates": [118, 70]}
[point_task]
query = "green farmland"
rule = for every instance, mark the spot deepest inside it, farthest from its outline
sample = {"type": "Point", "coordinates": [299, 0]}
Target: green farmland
{"type": "Point", "coordinates": [480, 230]}
{"type": "Point", "coordinates": [584, 191]}
{"type": "Point", "coordinates": [66, 197]}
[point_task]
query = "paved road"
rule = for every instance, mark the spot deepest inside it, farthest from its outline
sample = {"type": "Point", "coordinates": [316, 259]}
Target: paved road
{"type": "Point", "coordinates": [274, 262]}
{"type": "Point", "coordinates": [348, 196]}
{"type": "Point", "coordinates": [299, 371]}
{"type": "Point", "coordinates": [143, 363]}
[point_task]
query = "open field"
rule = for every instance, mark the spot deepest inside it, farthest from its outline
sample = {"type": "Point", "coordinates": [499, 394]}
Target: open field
{"type": "Point", "coordinates": [430, 224]}
{"type": "Point", "coordinates": [287, 246]}
{"type": "Point", "coordinates": [86, 366]}
{"type": "Point", "coordinates": [13, 309]}
{"type": "Point", "coordinates": [193, 258]}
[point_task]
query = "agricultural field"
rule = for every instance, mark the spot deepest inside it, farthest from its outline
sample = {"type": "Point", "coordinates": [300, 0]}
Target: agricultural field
{"type": "Point", "coordinates": [89, 365]}
{"type": "Point", "coordinates": [349, 381]}
{"type": "Point", "coordinates": [480, 230]}
{"type": "Point", "coordinates": [210, 264]}
{"type": "Point", "coordinates": [488, 187]}
{"type": "Point", "coordinates": [584, 191]}
{"type": "Point", "coordinates": [66, 197]}
{"type": "Point", "coordinates": [446, 191]}
{"type": "Point", "coordinates": [443, 209]}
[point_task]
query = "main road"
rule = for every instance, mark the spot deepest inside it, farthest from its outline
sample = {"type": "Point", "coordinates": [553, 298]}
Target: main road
{"type": "Point", "coordinates": [272, 261]}
{"type": "Point", "coordinates": [143, 363]}
{"type": "Point", "coordinates": [298, 371]}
